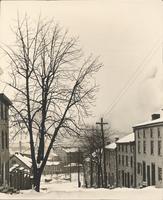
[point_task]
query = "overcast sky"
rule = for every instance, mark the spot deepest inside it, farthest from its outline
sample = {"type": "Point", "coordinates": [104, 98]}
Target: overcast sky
{"type": "Point", "coordinates": [128, 37]}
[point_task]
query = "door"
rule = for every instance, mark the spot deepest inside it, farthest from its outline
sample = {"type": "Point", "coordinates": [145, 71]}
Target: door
{"type": "Point", "coordinates": [128, 179]}
{"type": "Point", "coordinates": [144, 171]}
{"type": "Point", "coordinates": [123, 178]}
{"type": "Point", "coordinates": [148, 175]}
{"type": "Point", "coordinates": [153, 174]}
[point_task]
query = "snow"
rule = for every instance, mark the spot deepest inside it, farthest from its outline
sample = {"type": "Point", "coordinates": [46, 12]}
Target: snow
{"type": "Point", "coordinates": [59, 188]}
{"type": "Point", "coordinates": [73, 165]}
{"type": "Point", "coordinates": [160, 120]}
{"type": "Point", "coordinates": [49, 163]}
{"type": "Point", "coordinates": [68, 150]}
{"type": "Point", "coordinates": [13, 167]}
{"type": "Point", "coordinates": [111, 146]}
{"type": "Point", "coordinates": [127, 139]}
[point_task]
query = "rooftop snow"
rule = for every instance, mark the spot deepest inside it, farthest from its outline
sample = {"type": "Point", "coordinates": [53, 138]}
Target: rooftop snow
{"type": "Point", "coordinates": [111, 146]}
{"type": "Point", "coordinates": [73, 165]}
{"type": "Point", "coordinates": [13, 167]}
{"type": "Point", "coordinates": [52, 163]}
{"type": "Point", "coordinates": [127, 139]}
{"type": "Point", "coordinates": [160, 120]}
{"type": "Point", "coordinates": [68, 150]}
{"type": "Point", "coordinates": [27, 161]}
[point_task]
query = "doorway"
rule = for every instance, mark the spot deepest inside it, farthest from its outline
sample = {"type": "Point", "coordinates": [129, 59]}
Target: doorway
{"type": "Point", "coordinates": [148, 175]}
{"type": "Point", "coordinates": [153, 174]}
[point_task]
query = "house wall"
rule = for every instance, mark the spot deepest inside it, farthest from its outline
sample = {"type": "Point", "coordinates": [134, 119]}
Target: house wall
{"type": "Point", "coordinates": [125, 164]}
{"type": "Point", "coordinates": [111, 167]}
{"type": "Point", "coordinates": [4, 145]}
{"type": "Point", "coordinates": [15, 160]}
{"type": "Point", "coordinates": [149, 173]}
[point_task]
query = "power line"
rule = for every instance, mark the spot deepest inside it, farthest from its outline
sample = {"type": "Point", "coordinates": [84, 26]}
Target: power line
{"type": "Point", "coordinates": [133, 78]}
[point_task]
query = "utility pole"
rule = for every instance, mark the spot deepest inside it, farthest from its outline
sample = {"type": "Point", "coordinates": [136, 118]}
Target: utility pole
{"type": "Point", "coordinates": [101, 123]}
{"type": "Point", "coordinates": [70, 166]}
{"type": "Point", "coordinates": [79, 183]}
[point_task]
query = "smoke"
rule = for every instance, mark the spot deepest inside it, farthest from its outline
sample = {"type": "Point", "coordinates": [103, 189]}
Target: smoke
{"type": "Point", "coordinates": [150, 91]}
{"type": "Point", "coordinates": [1, 71]}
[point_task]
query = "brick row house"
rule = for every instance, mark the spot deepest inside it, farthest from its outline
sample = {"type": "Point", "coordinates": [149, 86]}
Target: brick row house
{"type": "Point", "coordinates": [126, 161]}
{"type": "Point", "coordinates": [120, 163]}
{"type": "Point", "coordinates": [149, 152]}
{"type": "Point", "coordinates": [4, 140]}
{"type": "Point", "coordinates": [136, 160]}
{"type": "Point", "coordinates": [111, 164]}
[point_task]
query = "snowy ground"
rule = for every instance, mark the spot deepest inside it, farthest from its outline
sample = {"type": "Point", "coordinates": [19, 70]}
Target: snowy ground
{"type": "Point", "coordinates": [63, 189]}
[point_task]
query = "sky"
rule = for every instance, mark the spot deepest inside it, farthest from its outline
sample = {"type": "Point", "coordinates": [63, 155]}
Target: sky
{"type": "Point", "coordinates": [128, 37]}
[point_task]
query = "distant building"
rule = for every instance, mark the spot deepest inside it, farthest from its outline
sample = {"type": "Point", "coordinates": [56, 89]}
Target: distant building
{"type": "Point", "coordinates": [126, 161]}
{"type": "Point", "coordinates": [68, 154]}
{"type": "Point", "coordinates": [4, 140]}
{"type": "Point", "coordinates": [111, 164]}
{"type": "Point", "coordinates": [149, 152]}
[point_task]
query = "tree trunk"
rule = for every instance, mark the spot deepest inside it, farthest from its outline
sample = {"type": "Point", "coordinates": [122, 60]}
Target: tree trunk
{"type": "Point", "coordinates": [37, 180]}
{"type": "Point", "coordinates": [91, 169]}
{"type": "Point", "coordinates": [85, 178]}
{"type": "Point", "coordinates": [98, 176]}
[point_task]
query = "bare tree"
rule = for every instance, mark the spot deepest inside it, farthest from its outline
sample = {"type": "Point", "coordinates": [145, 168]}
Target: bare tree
{"type": "Point", "coordinates": [54, 86]}
{"type": "Point", "coordinates": [91, 141]}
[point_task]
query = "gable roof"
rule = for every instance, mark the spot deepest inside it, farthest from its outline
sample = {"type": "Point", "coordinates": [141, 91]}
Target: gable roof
{"type": "Point", "coordinates": [24, 159]}
{"type": "Point", "coordinates": [5, 99]}
{"type": "Point", "coordinates": [151, 122]}
{"type": "Point", "coordinates": [127, 139]}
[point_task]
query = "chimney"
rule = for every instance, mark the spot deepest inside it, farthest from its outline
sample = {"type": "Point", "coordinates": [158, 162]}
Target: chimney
{"type": "Point", "coordinates": [116, 139]}
{"type": "Point", "coordinates": [155, 116]}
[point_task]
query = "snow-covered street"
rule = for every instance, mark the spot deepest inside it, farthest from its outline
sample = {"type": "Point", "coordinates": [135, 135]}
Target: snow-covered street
{"type": "Point", "coordinates": [62, 189]}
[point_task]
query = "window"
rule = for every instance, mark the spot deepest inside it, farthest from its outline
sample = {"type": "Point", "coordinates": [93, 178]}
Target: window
{"type": "Point", "coordinates": [119, 159]}
{"type": "Point", "coordinates": [1, 110]}
{"type": "Point", "coordinates": [6, 140]}
{"type": "Point", "coordinates": [126, 148]}
{"type": "Point", "coordinates": [122, 147]}
{"type": "Point", "coordinates": [144, 146]}
{"type": "Point", "coordinates": [126, 160]}
{"type": "Point", "coordinates": [144, 133]}
{"type": "Point", "coordinates": [151, 132]}
{"type": "Point", "coordinates": [159, 147]}
{"type": "Point", "coordinates": [3, 140]}
{"type": "Point", "coordinates": [159, 174]}
{"type": "Point", "coordinates": [119, 147]}
{"type": "Point", "coordinates": [123, 160]}
{"type": "Point", "coordinates": [131, 161]}
{"type": "Point", "coordinates": [139, 147]}
{"type": "Point", "coordinates": [138, 134]}
{"type": "Point", "coordinates": [138, 168]}
{"type": "Point", "coordinates": [6, 113]}
{"type": "Point", "coordinates": [152, 147]}
{"type": "Point", "coordinates": [158, 131]}
{"type": "Point", "coordinates": [131, 149]}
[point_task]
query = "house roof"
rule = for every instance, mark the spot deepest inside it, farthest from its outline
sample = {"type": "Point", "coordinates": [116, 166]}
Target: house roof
{"type": "Point", "coordinates": [127, 139]}
{"type": "Point", "coordinates": [5, 99]}
{"type": "Point", "coordinates": [111, 146]}
{"type": "Point", "coordinates": [27, 161]}
{"type": "Point", "coordinates": [151, 122]}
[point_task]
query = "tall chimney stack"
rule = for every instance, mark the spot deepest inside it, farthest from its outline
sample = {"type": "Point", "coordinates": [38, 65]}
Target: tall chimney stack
{"type": "Point", "coordinates": [155, 116]}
